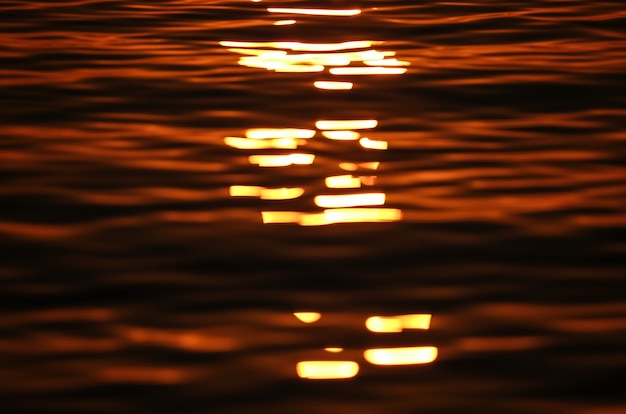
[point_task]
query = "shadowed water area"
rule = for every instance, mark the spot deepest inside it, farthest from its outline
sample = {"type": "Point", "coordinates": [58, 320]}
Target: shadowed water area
{"type": "Point", "coordinates": [151, 258]}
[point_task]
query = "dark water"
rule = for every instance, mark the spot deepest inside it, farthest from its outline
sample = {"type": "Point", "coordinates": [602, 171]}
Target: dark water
{"type": "Point", "coordinates": [133, 282]}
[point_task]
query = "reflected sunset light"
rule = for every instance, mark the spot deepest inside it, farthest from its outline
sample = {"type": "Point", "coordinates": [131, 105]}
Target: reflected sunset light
{"type": "Point", "coordinates": [373, 144]}
{"type": "Point", "coordinates": [342, 181]}
{"type": "Point", "coordinates": [327, 369]}
{"type": "Point", "coordinates": [346, 124]}
{"type": "Point", "coordinates": [365, 70]}
{"type": "Point", "coordinates": [308, 317]}
{"type": "Point", "coordinates": [341, 135]}
{"type": "Point", "coordinates": [350, 200]}
{"type": "Point", "coordinates": [265, 133]}
{"type": "Point", "coordinates": [315, 12]}
{"type": "Point", "coordinates": [247, 143]}
{"type": "Point", "coordinates": [401, 356]}
{"type": "Point", "coordinates": [331, 85]}
{"type": "Point", "coordinates": [398, 323]}
{"type": "Point", "coordinates": [281, 160]}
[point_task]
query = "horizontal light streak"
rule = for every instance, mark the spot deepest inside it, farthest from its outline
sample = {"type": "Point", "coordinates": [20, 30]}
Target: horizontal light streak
{"type": "Point", "coordinates": [327, 369]}
{"type": "Point", "coordinates": [373, 144]}
{"type": "Point", "coordinates": [298, 68]}
{"type": "Point", "coordinates": [389, 324]}
{"type": "Point", "coordinates": [401, 356]}
{"type": "Point", "coordinates": [265, 193]}
{"type": "Point", "coordinates": [342, 181]}
{"type": "Point", "coordinates": [349, 166]}
{"type": "Point", "coordinates": [333, 86]}
{"type": "Point", "coordinates": [386, 62]}
{"type": "Point", "coordinates": [299, 46]}
{"type": "Point", "coordinates": [350, 200]}
{"type": "Point", "coordinates": [281, 160]}
{"type": "Point", "coordinates": [333, 216]}
{"type": "Point", "coordinates": [315, 12]}
{"type": "Point", "coordinates": [341, 135]}
{"type": "Point", "coordinates": [334, 350]}
{"type": "Point", "coordinates": [284, 22]}
{"type": "Point", "coordinates": [347, 124]}
{"type": "Point", "coordinates": [247, 143]}
{"type": "Point", "coordinates": [308, 317]}
{"type": "Point", "coordinates": [372, 70]}
{"type": "Point", "coordinates": [265, 133]}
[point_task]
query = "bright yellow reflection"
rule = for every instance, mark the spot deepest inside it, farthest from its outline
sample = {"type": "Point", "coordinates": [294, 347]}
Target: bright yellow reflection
{"type": "Point", "coordinates": [349, 166]}
{"type": "Point", "coordinates": [306, 47]}
{"type": "Point", "coordinates": [308, 317]}
{"type": "Point", "coordinates": [281, 160]}
{"type": "Point", "coordinates": [329, 85]}
{"type": "Point", "coordinates": [284, 22]}
{"type": "Point", "coordinates": [398, 323]}
{"type": "Point", "coordinates": [346, 124]}
{"type": "Point", "coordinates": [246, 143]}
{"type": "Point", "coordinates": [265, 133]}
{"type": "Point", "coordinates": [386, 62]}
{"type": "Point", "coordinates": [343, 181]}
{"type": "Point", "coordinates": [265, 193]}
{"type": "Point", "coordinates": [315, 12]}
{"type": "Point", "coordinates": [333, 216]}
{"type": "Point", "coordinates": [327, 369]}
{"type": "Point", "coordinates": [334, 350]}
{"type": "Point", "coordinates": [341, 135]}
{"type": "Point", "coordinates": [373, 144]}
{"type": "Point", "coordinates": [373, 70]}
{"type": "Point", "coordinates": [401, 356]}
{"type": "Point", "coordinates": [350, 200]}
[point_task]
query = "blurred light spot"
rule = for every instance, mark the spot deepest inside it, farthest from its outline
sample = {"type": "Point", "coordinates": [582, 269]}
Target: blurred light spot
{"type": "Point", "coordinates": [351, 215]}
{"type": "Point", "coordinates": [272, 217]}
{"type": "Point", "coordinates": [343, 181]}
{"type": "Point", "coordinates": [349, 166]}
{"type": "Point", "coordinates": [327, 369]}
{"type": "Point", "coordinates": [346, 124]}
{"type": "Point", "coordinates": [281, 193]}
{"type": "Point", "coordinates": [333, 85]}
{"type": "Point", "coordinates": [284, 22]}
{"type": "Point", "coordinates": [308, 317]}
{"type": "Point", "coordinates": [247, 143]}
{"type": "Point", "coordinates": [373, 144]}
{"type": "Point", "coordinates": [298, 68]}
{"type": "Point", "coordinates": [386, 62]}
{"type": "Point", "coordinates": [368, 180]}
{"type": "Point", "coordinates": [350, 200]}
{"type": "Point", "coordinates": [341, 135]}
{"type": "Point", "coordinates": [373, 70]}
{"type": "Point", "coordinates": [398, 323]}
{"type": "Point", "coordinates": [307, 47]}
{"type": "Point", "coordinates": [281, 160]}
{"type": "Point", "coordinates": [245, 191]}
{"type": "Point", "coordinates": [401, 356]}
{"type": "Point", "coordinates": [315, 12]}
{"type": "Point", "coordinates": [264, 133]}
{"type": "Point", "coordinates": [333, 350]}
{"type": "Point", "coordinates": [259, 52]}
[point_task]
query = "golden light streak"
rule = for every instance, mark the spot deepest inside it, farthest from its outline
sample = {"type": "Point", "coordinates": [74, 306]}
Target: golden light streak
{"type": "Point", "coordinates": [284, 22]}
{"type": "Point", "coordinates": [346, 124]}
{"type": "Point", "coordinates": [307, 47]}
{"type": "Point", "coordinates": [274, 217]}
{"type": "Point", "coordinates": [265, 133]}
{"type": "Point", "coordinates": [350, 200]}
{"type": "Point", "coordinates": [349, 166]}
{"type": "Point", "coordinates": [334, 216]}
{"type": "Point", "coordinates": [308, 317]}
{"type": "Point", "coordinates": [333, 350]}
{"type": "Point", "coordinates": [343, 181]}
{"type": "Point", "coordinates": [247, 143]}
{"type": "Point", "coordinates": [327, 369]}
{"type": "Point", "coordinates": [371, 70]}
{"type": "Point", "coordinates": [368, 180]}
{"type": "Point", "coordinates": [387, 324]}
{"type": "Point", "coordinates": [341, 135]}
{"type": "Point", "coordinates": [373, 144]}
{"type": "Point", "coordinates": [281, 160]}
{"type": "Point", "coordinates": [386, 62]}
{"type": "Point", "coordinates": [315, 12]}
{"type": "Point", "coordinates": [281, 193]}
{"type": "Point", "coordinates": [401, 356]}
{"type": "Point", "coordinates": [333, 86]}
{"type": "Point", "coordinates": [265, 193]}
{"type": "Point", "coordinates": [259, 52]}
{"type": "Point", "coordinates": [298, 68]}
{"type": "Point", "coordinates": [245, 191]}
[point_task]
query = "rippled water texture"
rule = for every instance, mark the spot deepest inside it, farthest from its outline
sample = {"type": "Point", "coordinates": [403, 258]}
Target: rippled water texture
{"type": "Point", "coordinates": [152, 255]}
